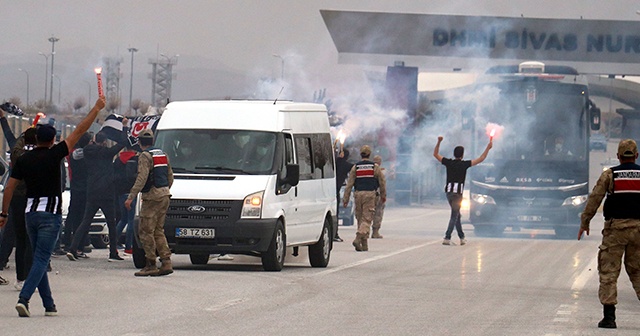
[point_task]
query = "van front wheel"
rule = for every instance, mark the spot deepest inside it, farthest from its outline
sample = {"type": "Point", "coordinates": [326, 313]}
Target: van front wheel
{"type": "Point", "coordinates": [273, 258]}
{"type": "Point", "coordinates": [320, 252]}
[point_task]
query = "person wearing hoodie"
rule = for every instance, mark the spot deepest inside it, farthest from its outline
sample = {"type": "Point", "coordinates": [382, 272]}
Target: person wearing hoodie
{"type": "Point", "coordinates": [78, 190]}
{"type": "Point", "coordinates": [100, 193]}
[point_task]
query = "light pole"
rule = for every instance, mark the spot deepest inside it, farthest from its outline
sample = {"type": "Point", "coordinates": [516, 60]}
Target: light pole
{"type": "Point", "coordinates": [26, 72]}
{"type": "Point", "coordinates": [169, 68]}
{"type": "Point", "coordinates": [53, 41]}
{"type": "Point", "coordinates": [59, 87]}
{"type": "Point", "coordinates": [46, 74]}
{"type": "Point", "coordinates": [132, 51]}
{"type": "Point", "coordinates": [282, 71]}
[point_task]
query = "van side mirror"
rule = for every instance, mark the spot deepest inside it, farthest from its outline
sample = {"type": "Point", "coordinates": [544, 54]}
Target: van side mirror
{"type": "Point", "coordinates": [594, 118]}
{"type": "Point", "coordinates": [293, 175]}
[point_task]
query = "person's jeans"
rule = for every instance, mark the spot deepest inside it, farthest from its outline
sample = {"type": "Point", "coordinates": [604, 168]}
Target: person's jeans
{"type": "Point", "coordinates": [43, 229]}
{"type": "Point", "coordinates": [455, 201]}
{"type": "Point", "coordinates": [126, 219]}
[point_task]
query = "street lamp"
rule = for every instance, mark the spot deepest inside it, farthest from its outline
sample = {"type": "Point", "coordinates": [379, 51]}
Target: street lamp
{"type": "Point", "coordinates": [26, 72]}
{"type": "Point", "coordinates": [53, 41]}
{"type": "Point", "coordinates": [59, 87]}
{"type": "Point", "coordinates": [132, 51]}
{"type": "Point", "coordinates": [46, 74]}
{"type": "Point", "coordinates": [282, 71]}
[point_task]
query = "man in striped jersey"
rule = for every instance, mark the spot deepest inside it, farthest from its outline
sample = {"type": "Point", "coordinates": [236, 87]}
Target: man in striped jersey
{"type": "Point", "coordinates": [456, 175]}
{"type": "Point", "coordinates": [40, 170]}
{"type": "Point", "coordinates": [621, 233]}
{"type": "Point", "coordinates": [368, 180]}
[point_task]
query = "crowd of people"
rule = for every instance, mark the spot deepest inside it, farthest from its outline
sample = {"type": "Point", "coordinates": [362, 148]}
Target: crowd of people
{"type": "Point", "coordinates": [101, 177]}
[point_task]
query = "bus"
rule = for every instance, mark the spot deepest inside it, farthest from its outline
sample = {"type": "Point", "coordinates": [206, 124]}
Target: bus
{"type": "Point", "coordinates": [537, 174]}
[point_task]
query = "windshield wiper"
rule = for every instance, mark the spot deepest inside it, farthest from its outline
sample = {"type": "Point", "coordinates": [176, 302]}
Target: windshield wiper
{"type": "Point", "coordinates": [225, 169]}
{"type": "Point", "coordinates": [182, 170]}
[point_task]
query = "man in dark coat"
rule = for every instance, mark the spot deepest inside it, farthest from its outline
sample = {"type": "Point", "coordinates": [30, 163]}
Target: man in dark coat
{"type": "Point", "coordinates": [100, 194]}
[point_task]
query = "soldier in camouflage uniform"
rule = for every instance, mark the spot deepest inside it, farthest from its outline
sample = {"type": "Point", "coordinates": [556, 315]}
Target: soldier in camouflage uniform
{"type": "Point", "coordinates": [377, 216]}
{"type": "Point", "coordinates": [155, 202]}
{"type": "Point", "coordinates": [621, 233]}
{"type": "Point", "coordinates": [366, 177]}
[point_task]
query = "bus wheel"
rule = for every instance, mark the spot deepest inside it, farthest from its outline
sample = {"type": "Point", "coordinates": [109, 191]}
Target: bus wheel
{"type": "Point", "coordinates": [566, 232]}
{"type": "Point", "coordinates": [488, 230]}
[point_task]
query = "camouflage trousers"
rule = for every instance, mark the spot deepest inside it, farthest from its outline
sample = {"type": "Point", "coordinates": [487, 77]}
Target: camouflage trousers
{"type": "Point", "coordinates": [365, 203]}
{"type": "Point", "coordinates": [618, 245]}
{"type": "Point", "coordinates": [377, 217]}
{"type": "Point", "coordinates": [151, 228]}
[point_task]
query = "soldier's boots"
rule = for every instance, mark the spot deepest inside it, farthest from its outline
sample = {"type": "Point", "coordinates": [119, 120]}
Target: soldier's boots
{"type": "Point", "coordinates": [149, 270]}
{"type": "Point", "coordinates": [357, 242]}
{"type": "Point", "coordinates": [364, 243]}
{"type": "Point", "coordinates": [166, 267]}
{"type": "Point", "coordinates": [376, 234]}
{"type": "Point", "coordinates": [609, 319]}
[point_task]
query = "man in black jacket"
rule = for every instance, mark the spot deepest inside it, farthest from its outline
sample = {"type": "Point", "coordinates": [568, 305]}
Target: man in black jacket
{"type": "Point", "coordinates": [78, 184]}
{"type": "Point", "coordinates": [100, 194]}
{"type": "Point", "coordinates": [343, 167]}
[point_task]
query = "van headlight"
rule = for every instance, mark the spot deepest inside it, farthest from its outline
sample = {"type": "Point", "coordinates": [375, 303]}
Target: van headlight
{"type": "Point", "coordinates": [482, 199]}
{"type": "Point", "coordinates": [252, 205]}
{"type": "Point", "coordinates": [575, 200]}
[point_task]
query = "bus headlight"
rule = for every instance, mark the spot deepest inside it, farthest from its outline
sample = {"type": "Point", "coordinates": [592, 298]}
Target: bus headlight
{"type": "Point", "coordinates": [252, 205]}
{"type": "Point", "coordinates": [482, 199]}
{"type": "Point", "coordinates": [575, 200]}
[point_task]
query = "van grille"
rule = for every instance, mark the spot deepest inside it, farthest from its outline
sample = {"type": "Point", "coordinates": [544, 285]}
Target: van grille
{"type": "Point", "coordinates": [206, 210]}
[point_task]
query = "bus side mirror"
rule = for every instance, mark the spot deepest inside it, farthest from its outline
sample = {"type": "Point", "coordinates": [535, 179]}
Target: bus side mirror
{"type": "Point", "coordinates": [293, 175]}
{"type": "Point", "coordinates": [594, 117]}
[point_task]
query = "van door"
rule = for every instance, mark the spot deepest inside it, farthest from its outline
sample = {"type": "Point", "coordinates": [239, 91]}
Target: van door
{"type": "Point", "coordinates": [288, 195]}
{"type": "Point", "coordinates": [305, 198]}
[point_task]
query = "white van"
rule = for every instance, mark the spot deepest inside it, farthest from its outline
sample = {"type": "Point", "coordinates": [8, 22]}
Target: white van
{"type": "Point", "coordinates": [250, 177]}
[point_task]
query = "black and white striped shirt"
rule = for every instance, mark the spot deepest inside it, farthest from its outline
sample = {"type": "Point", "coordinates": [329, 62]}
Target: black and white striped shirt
{"type": "Point", "coordinates": [40, 169]}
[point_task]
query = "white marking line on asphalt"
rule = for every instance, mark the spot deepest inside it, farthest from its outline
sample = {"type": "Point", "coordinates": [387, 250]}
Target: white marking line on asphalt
{"type": "Point", "coordinates": [585, 275]}
{"type": "Point", "coordinates": [225, 305]}
{"type": "Point", "coordinates": [404, 219]}
{"type": "Point", "coordinates": [366, 261]}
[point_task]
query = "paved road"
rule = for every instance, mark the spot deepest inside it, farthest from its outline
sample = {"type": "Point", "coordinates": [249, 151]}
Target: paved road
{"type": "Point", "coordinates": [527, 283]}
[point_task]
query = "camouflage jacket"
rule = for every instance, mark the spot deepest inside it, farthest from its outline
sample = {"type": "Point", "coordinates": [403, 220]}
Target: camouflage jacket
{"type": "Point", "coordinates": [602, 187]}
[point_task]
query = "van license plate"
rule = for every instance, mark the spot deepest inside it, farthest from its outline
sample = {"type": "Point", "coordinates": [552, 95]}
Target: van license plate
{"type": "Point", "coordinates": [530, 218]}
{"type": "Point", "coordinates": [194, 233]}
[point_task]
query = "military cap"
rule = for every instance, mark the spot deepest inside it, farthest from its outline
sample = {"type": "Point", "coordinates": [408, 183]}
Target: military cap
{"type": "Point", "coordinates": [627, 148]}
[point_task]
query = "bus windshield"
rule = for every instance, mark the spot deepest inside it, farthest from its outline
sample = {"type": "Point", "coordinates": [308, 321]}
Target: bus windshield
{"type": "Point", "coordinates": [542, 120]}
{"type": "Point", "coordinates": [213, 151]}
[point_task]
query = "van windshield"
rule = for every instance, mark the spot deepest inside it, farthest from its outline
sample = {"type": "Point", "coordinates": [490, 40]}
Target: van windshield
{"type": "Point", "coordinates": [212, 151]}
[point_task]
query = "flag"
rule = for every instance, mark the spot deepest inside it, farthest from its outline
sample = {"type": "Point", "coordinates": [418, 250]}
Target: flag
{"type": "Point", "coordinates": [113, 127]}
{"type": "Point", "coordinates": [139, 124]}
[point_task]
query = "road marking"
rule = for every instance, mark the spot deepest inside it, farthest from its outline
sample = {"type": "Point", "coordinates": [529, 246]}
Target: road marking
{"type": "Point", "coordinates": [585, 275]}
{"type": "Point", "coordinates": [225, 305]}
{"type": "Point", "coordinates": [366, 261]}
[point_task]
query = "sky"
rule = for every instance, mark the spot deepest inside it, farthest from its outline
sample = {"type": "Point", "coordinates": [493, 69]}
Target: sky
{"type": "Point", "coordinates": [225, 47]}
